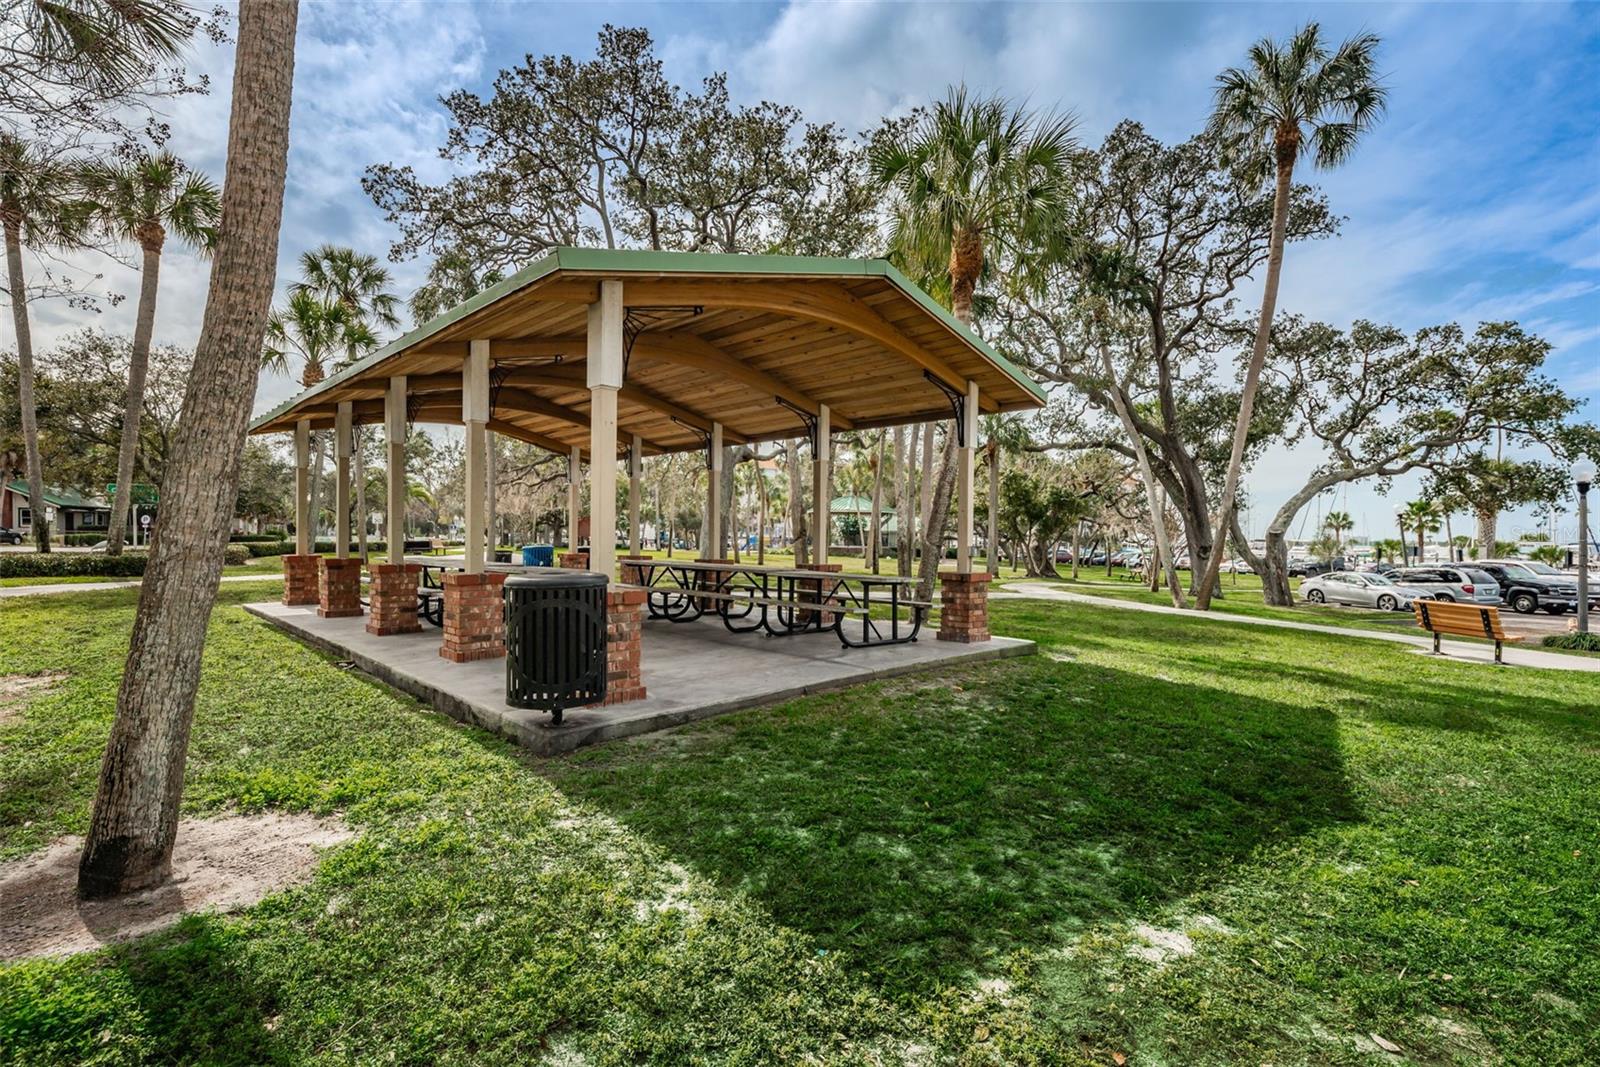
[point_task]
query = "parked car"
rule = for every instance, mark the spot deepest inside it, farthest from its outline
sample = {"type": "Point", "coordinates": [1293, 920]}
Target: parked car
{"type": "Point", "coordinates": [1465, 584]}
{"type": "Point", "coordinates": [1548, 571]}
{"type": "Point", "coordinates": [1310, 568]}
{"type": "Point", "coordinates": [1236, 566]}
{"type": "Point", "coordinates": [9, 536]}
{"type": "Point", "coordinates": [1526, 591]}
{"type": "Point", "coordinates": [1360, 590]}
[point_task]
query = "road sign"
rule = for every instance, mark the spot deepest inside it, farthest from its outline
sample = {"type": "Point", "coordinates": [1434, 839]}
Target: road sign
{"type": "Point", "coordinates": [142, 493]}
{"type": "Point", "coordinates": [144, 520]}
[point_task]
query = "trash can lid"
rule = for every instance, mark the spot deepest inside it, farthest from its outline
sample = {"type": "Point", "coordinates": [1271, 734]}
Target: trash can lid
{"type": "Point", "coordinates": [558, 579]}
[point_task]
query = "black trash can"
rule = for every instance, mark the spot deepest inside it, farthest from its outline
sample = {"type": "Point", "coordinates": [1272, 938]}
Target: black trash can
{"type": "Point", "coordinates": [555, 640]}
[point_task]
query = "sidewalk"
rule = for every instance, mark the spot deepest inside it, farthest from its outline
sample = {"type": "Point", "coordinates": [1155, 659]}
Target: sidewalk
{"type": "Point", "coordinates": [1457, 650]}
{"type": "Point", "coordinates": [132, 583]}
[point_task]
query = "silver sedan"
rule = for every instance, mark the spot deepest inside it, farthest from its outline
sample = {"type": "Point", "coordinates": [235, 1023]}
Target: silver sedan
{"type": "Point", "coordinates": [1361, 590]}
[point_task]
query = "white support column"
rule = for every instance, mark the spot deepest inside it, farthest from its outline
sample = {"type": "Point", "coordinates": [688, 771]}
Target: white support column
{"type": "Point", "coordinates": [475, 413]}
{"type": "Point", "coordinates": [605, 378]}
{"type": "Point", "coordinates": [635, 475]}
{"type": "Point", "coordinates": [394, 431]}
{"type": "Point", "coordinates": [822, 485]}
{"type": "Point", "coordinates": [714, 496]}
{"type": "Point", "coordinates": [574, 478]}
{"type": "Point", "coordinates": [969, 441]}
{"type": "Point", "coordinates": [342, 434]}
{"type": "Point", "coordinates": [302, 488]}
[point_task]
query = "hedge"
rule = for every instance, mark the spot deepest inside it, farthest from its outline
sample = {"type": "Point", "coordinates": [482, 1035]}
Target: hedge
{"type": "Point", "coordinates": [82, 540]}
{"type": "Point", "coordinates": [248, 538]}
{"type": "Point", "coordinates": [77, 564]}
{"type": "Point", "coordinates": [1576, 641]}
{"type": "Point", "coordinates": [372, 546]}
{"type": "Point", "coordinates": [275, 548]}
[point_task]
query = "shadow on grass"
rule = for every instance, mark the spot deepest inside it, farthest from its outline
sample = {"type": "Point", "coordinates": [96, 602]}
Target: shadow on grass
{"type": "Point", "coordinates": [929, 827]}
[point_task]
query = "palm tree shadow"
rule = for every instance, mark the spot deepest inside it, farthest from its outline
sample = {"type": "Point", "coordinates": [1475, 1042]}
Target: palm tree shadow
{"type": "Point", "coordinates": [940, 824]}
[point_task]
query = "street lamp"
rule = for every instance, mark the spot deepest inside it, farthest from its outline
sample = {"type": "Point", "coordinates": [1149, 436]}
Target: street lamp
{"type": "Point", "coordinates": [1583, 477]}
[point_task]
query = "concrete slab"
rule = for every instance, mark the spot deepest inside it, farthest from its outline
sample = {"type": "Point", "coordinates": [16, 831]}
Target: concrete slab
{"type": "Point", "coordinates": [691, 671]}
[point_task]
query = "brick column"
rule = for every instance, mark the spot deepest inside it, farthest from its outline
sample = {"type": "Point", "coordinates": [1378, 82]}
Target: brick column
{"type": "Point", "coordinates": [636, 570]}
{"type": "Point", "coordinates": [812, 590]}
{"type": "Point", "coordinates": [624, 628]}
{"type": "Point", "coordinates": [474, 616]}
{"type": "Point", "coordinates": [392, 599]}
{"type": "Point", "coordinates": [300, 579]}
{"type": "Point", "coordinates": [339, 588]}
{"type": "Point", "coordinates": [964, 606]}
{"type": "Point", "coordinates": [574, 561]}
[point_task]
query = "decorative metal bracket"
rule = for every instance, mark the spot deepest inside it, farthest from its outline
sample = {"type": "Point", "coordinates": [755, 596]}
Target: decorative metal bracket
{"type": "Point", "coordinates": [806, 417]}
{"type": "Point", "coordinates": [703, 435]}
{"type": "Point", "coordinates": [958, 405]}
{"type": "Point", "coordinates": [497, 378]}
{"type": "Point", "coordinates": [636, 320]}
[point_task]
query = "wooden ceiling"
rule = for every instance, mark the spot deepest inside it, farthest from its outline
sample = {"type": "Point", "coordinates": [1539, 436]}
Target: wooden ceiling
{"type": "Point", "coordinates": [747, 341]}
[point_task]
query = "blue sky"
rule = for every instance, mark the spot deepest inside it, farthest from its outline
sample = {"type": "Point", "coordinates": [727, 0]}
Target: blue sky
{"type": "Point", "coordinates": [1478, 198]}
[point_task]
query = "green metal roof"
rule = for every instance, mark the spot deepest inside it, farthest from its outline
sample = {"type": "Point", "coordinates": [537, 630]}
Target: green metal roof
{"type": "Point", "coordinates": [643, 261]}
{"type": "Point", "coordinates": [62, 498]}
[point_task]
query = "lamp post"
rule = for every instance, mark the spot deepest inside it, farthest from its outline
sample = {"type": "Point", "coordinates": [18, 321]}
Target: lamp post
{"type": "Point", "coordinates": [1583, 476]}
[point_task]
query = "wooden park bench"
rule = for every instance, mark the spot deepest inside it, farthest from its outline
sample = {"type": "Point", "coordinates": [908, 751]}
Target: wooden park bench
{"type": "Point", "coordinates": [1461, 620]}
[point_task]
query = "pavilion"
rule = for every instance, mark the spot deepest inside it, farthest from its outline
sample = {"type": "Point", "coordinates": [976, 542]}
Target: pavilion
{"type": "Point", "coordinates": [608, 356]}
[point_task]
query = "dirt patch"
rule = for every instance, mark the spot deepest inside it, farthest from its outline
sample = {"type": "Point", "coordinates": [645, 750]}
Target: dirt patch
{"type": "Point", "coordinates": [17, 690]}
{"type": "Point", "coordinates": [220, 864]}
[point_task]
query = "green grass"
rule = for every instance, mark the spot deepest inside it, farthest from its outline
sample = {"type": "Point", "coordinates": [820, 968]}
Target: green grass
{"type": "Point", "coordinates": [1357, 839]}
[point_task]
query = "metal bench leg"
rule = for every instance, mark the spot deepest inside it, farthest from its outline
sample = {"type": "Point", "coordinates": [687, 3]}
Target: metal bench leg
{"type": "Point", "coordinates": [1436, 651]}
{"type": "Point", "coordinates": [1497, 658]}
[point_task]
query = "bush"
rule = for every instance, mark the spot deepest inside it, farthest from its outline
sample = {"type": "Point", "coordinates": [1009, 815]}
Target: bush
{"type": "Point", "coordinates": [355, 546]}
{"type": "Point", "coordinates": [235, 555]}
{"type": "Point", "coordinates": [258, 549]}
{"type": "Point", "coordinates": [1575, 641]}
{"type": "Point", "coordinates": [82, 540]}
{"type": "Point", "coordinates": [62, 565]}
{"type": "Point", "coordinates": [264, 538]}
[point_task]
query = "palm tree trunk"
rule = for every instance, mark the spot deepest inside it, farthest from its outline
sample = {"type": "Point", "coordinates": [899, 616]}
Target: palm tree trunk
{"type": "Point", "coordinates": [358, 471]}
{"type": "Point", "coordinates": [314, 513]}
{"type": "Point", "coordinates": [135, 818]}
{"type": "Point", "coordinates": [877, 502]}
{"type": "Point", "coordinates": [30, 415]}
{"type": "Point", "coordinates": [1252, 378]}
{"type": "Point", "coordinates": [992, 558]}
{"type": "Point", "coordinates": [133, 407]}
{"type": "Point", "coordinates": [925, 486]}
{"type": "Point", "coordinates": [902, 494]}
{"type": "Point", "coordinates": [798, 536]}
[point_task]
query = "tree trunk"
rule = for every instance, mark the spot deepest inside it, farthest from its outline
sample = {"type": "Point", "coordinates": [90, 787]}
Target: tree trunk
{"type": "Point", "coordinates": [1147, 476]}
{"type": "Point", "coordinates": [30, 416]}
{"type": "Point", "coordinates": [1449, 539]}
{"type": "Point", "coordinates": [133, 406]}
{"type": "Point", "coordinates": [761, 517]}
{"type": "Point", "coordinates": [877, 503]}
{"type": "Point", "coordinates": [903, 512]}
{"type": "Point", "coordinates": [314, 512]}
{"type": "Point", "coordinates": [135, 818]}
{"type": "Point", "coordinates": [1488, 520]}
{"type": "Point", "coordinates": [1252, 378]}
{"type": "Point", "coordinates": [491, 518]}
{"type": "Point", "coordinates": [925, 487]}
{"type": "Point", "coordinates": [938, 514]}
{"type": "Point", "coordinates": [1077, 546]}
{"type": "Point", "coordinates": [358, 471]}
{"type": "Point", "coordinates": [798, 536]}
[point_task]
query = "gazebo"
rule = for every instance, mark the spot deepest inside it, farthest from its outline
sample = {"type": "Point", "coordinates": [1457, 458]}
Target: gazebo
{"type": "Point", "coordinates": [608, 356]}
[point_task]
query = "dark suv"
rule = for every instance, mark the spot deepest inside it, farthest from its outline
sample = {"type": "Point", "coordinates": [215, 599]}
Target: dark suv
{"type": "Point", "coordinates": [1527, 592]}
{"type": "Point", "coordinates": [8, 536]}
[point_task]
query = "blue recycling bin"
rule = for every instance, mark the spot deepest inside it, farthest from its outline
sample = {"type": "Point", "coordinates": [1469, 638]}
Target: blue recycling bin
{"type": "Point", "coordinates": [538, 556]}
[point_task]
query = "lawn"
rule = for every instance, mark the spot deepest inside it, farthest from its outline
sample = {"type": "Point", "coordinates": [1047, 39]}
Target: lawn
{"type": "Point", "coordinates": [1162, 843]}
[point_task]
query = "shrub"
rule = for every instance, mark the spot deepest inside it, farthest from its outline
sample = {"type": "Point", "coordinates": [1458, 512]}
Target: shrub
{"type": "Point", "coordinates": [62, 565]}
{"type": "Point", "coordinates": [355, 546]}
{"type": "Point", "coordinates": [249, 538]}
{"type": "Point", "coordinates": [235, 555]}
{"type": "Point", "coordinates": [82, 540]}
{"type": "Point", "coordinates": [257, 549]}
{"type": "Point", "coordinates": [1576, 641]}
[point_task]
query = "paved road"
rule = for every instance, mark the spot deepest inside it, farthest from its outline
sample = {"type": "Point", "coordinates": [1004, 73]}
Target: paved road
{"type": "Point", "coordinates": [1473, 651]}
{"type": "Point", "coordinates": [132, 583]}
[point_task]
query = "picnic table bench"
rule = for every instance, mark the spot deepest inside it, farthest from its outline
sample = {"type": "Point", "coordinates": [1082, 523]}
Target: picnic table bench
{"type": "Point", "coordinates": [1461, 620]}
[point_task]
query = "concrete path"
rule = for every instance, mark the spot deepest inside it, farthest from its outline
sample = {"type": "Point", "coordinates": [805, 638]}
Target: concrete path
{"type": "Point", "coordinates": [132, 583]}
{"type": "Point", "coordinates": [1472, 651]}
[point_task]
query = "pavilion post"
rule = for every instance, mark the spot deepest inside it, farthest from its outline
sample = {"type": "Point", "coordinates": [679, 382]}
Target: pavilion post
{"type": "Point", "coordinates": [394, 427]}
{"type": "Point", "coordinates": [715, 547]}
{"type": "Point", "coordinates": [475, 413]}
{"type": "Point", "coordinates": [342, 433]}
{"type": "Point", "coordinates": [605, 378]}
{"type": "Point", "coordinates": [964, 474]}
{"type": "Point", "coordinates": [302, 487]}
{"type": "Point", "coordinates": [574, 476]}
{"type": "Point", "coordinates": [635, 477]}
{"type": "Point", "coordinates": [822, 487]}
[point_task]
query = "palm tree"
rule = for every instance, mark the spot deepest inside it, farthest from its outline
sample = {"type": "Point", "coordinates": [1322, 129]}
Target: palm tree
{"type": "Point", "coordinates": [38, 208]}
{"type": "Point", "coordinates": [1423, 517]}
{"type": "Point", "coordinates": [144, 200]}
{"type": "Point", "coordinates": [316, 332]}
{"type": "Point", "coordinates": [1291, 99]}
{"type": "Point", "coordinates": [975, 178]}
{"type": "Point", "coordinates": [1337, 523]}
{"type": "Point", "coordinates": [360, 284]}
{"type": "Point", "coordinates": [135, 817]}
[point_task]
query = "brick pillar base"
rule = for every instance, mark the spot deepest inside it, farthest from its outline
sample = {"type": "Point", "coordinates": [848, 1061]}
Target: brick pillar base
{"type": "Point", "coordinates": [812, 590]}
{"type": "Point", "coordinates": [964, 606]}
{"type": "Point", "coordinates": [339, 588]}
{"type": "Point", "coordinates": [392, 599]}
{"type": "Point", "coordinates": [300, 579]}
{"type": "Point", "coordinates": [574, 561]}
{"type": "Point", "coordinates": [474, 617]}
{"type": "Point", "coordinates": [636, 570]}
{"type": "Point", "coordinates": [624, 628]}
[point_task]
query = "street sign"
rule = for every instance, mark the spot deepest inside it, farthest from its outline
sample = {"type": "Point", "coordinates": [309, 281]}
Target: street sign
{"type": "Point", "coordinates": [144, 520]}
{"type": "Point", "coordinates": [142, 493]}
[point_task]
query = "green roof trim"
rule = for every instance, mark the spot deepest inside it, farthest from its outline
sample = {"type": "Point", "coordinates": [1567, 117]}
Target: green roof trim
{"type": "Point", "coordinates": [63, 498]}
{"type": "Point", "coordinates": [644, 261]}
